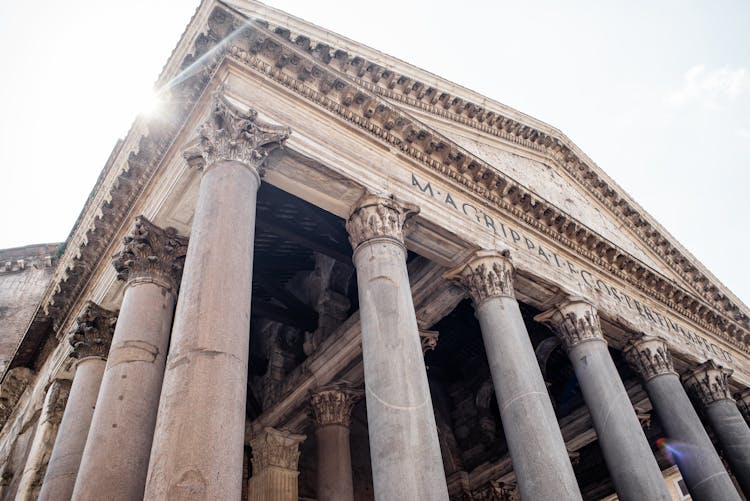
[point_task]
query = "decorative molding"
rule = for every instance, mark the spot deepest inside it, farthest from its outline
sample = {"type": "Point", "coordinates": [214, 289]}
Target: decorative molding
{"type": "Point", "coordinates": [743, 403]}
{"type": "Point", "coordinates": [56, 400]}
{"type": "Point", "coordinates": [575, 321]}
{"type": "Point", "coordinates": [378, 218]}
{"type": "Point", "coordinates": [429, 340]}
{"type": "Point", "coordinates": [152, 253]}
{"type": "Point", "coordinates": [333, 404]}
{"type": "Point", "coordinates": [11, 389]}
{"type": "Point", "coordinates": [93, 334]}
{"type": "Point", "coordinates": [232, 134]}
{"type": "Point", "coordinates": [709, 383]}
{"type": "Point", "coordinates": [275, 448]}
{"type": "Point", "coordinates": [487, 274]}
{"type": "Point", "coordinates": [649, 356]}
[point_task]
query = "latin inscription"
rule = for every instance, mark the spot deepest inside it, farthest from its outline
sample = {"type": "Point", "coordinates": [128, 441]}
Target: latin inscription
{"type": "Point", "coordinates": [550, 258]}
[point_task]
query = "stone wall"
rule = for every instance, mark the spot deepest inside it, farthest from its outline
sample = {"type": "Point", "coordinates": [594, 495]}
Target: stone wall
{"type": "Point", "coordinates": [25, 273]}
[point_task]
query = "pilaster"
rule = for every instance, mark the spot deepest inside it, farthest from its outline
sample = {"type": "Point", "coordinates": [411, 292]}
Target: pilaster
{"type": "Point", "coordinates": [649, 356]}
{"type": "Point", "coordinates": [275, 466]}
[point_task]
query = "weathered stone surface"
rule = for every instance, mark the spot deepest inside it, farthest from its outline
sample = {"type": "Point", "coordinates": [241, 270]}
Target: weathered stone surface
{"type": "Point", "coordinates": [275, 460]}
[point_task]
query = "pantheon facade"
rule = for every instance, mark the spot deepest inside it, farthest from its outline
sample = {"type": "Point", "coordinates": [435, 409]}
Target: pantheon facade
{"type": "Point", "coordinates": [321, 273]}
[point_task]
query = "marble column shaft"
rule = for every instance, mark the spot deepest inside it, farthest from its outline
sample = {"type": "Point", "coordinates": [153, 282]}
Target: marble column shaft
{"type": "Point", "coordinates": [540, 458]}
{"type": "Point", "coordinates": [275, 466]}
{"type": "Point", "coordinates": [709, 384]}
{"type": "Point", "coordinates": [198, 442]}
{"type": "Point", "coordinates": [404, 447]}
{"type": "Point", "coordinates": [331, 409]}
{"type": "Point", "coordinates": [91, 341]}
{"type": "Point", "coordinates": [115, 460]}
{"type": "Point", "coordinates": [631, 463]}
{"type": "Point", "coordinates": [44, 438]}
{"type": "Point", "coordinates": [687, 440]}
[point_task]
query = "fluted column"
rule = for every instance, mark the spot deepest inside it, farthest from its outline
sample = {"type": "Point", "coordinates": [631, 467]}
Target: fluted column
{"type": "Point", "coordinates": [198, 442]}
{"type": "Point", "coordinates": [540, 458]}
{"type": "Point", "coordinates": [688, 442]}
{"type": "Point", "coordinates": [709, 384]}
{"type": "Point", "coordinates": [115, 460]}
{"type": "Point", "coordinates": [332, 409]}
{"type": "Point", "coordinates": [91, 341]}
{"type": "Point", "coordinates": [44, 438]}
{"type": "Point", "coordinates": [626, 451]}
{"type": "Point", "coordinates": [404, 448]}
{"type": "Point", "coordinates": [275, 470]}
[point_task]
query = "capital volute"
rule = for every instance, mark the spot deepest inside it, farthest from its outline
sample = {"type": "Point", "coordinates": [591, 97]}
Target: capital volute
{"type": "Point", "coordinates": [378, 218]}
{"type": "Point", "coordinates": [93, 334]}
{"type": "Point", "coordinates": [276, 448]}
{"type": "Point", "coordinates": [743, 403]}
{"type": "Point", "coordinates": [487, 274]}
{"type": "Point", "coordinates": [333, 404]}
{"type": "Point", "coordinates": [575, 321]}
{"type": "Point", "coordinates": [152, 254]}
{"type": "Point", "coordinates": [649, 356]}
{"type": "Point", "coordinates": [232, 134]}
{"type": "Point", "coordinates": [709, 382]}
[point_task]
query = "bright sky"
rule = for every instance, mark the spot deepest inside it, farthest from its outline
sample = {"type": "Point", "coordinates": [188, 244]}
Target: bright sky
{"type": "Point", "coordinates": [657, 93]}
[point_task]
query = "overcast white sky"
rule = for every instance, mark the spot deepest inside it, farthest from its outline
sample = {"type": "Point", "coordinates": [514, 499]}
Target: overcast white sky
{"type": "Point", "coordinates": [657, 93]}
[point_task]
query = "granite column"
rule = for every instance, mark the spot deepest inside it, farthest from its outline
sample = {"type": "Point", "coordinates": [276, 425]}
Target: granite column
{"type": "Point", "coordinates": [404, 447]}
{"type": "Point", "coordinates": [198, 442]}
{"type": "Point", "coordinates": [688, 442]}
{"type": "Point", "coordinates": [115, 460]}
{"type": "Point", "coordinates": [631, 463]}
{"type": "Point", "coordinates": [91, 341]}
{"type": "Point", "coordinates": [540, 458]}
{"type": "Point", "coordinates": [331, 409]}
{"type": "Point", "coordinates": [709, 384]}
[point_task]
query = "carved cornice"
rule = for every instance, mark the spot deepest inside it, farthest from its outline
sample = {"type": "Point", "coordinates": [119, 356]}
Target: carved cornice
{"type": "Point", "coordinates": [575, 321]}
{"type": "Point", "coordinates": [338, 81]}
{"type": "Point", "coordinates": [709, 383]}
{"type": "Point", "coordinates": [275, 448]}
{"type": "Point", "coordinates": [378, 218]}
{"type": "Point", "coordinates": [13, 386]}
{"type": "Point", "coordinates": [487, 274]}
{"type": "Point", "coordinates": [333, 404]}
{"type": "Point", "coordinates": [232, 134]}
{"type": "Point", "coordinates": [743, 403]}
{"type": "Point", "coordinates": [649, 356]}
{"type": "Point", "coordinates": [152, 253]}
{"type": "Point", "coordinates": [93, 334]}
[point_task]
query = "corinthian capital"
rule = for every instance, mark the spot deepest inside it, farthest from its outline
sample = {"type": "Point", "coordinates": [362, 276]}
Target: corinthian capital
{"type": "Point", "coordinates": [649, 356]}
{"type": "Point", "coordinates": [275, 448]}
{"type": "Point", "coordinates": [234, 134]}
{"type": "Point", "coordinates": [709, 383]}
{"type": "Point", "coordinates": [575, 321]}
{"type": "Point", "coordinates": [152, 253]}
{"type": "Point", "coordinates": [743, 402]}
{"type": "Point", "coordinates": [333, 404]}
{"type": "Point", "coordinates": [487, 274]}
{"type": "Point", "coordinates": [376, 217]}
{"type": "Point", "coordinates": [93, 336]}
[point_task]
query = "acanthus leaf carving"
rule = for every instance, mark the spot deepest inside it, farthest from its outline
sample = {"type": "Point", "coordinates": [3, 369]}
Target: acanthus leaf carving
{"type": "Point", "coordinates": [333, 404]}
{"type": "Point", "coordinates": [487, 274]}
{"type": "Point", "coordinates": [743, 403]}
{"type": "Point", "coordinates": [575, 321]}
{"type": "Point", "coordinates": [275, 448]}
{"type": "Point", "coordinates": [377, 217]}
{"type": "Point", "coordinates": [709, 383]}
{"type": "Point", "coordinates": [15, 382]}
{"type": "Point", "coordinates": [152, 253]}
{"type": "Point", "coordinates": [649, 356]}
{"type": "Point", "coordinates": [93, 335]}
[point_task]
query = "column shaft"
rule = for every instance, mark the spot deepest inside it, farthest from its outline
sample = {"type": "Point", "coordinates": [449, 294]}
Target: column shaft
{"type": "Point", "coordinates": [631, 463]}
{"type": "Point", "coordinates": [115, 460]}
{"type": "Point", "coordinates": [198, 442]}
{"type": "Point", "coordinates": [404, 448]}
{"type": "Point", "coordinates": [540, 458]}
{"type": "Point", "coordinates": [334, 463]}
{"type": "Point", "coordinates": [734, 437]}
{"type": "Point", "coordinates": [74, 428]}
